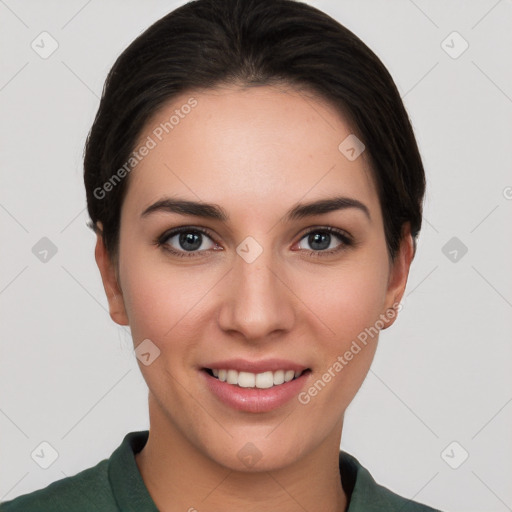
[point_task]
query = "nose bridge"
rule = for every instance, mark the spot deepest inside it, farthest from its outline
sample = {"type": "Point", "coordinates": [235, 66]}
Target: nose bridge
{"type": "Point", "coordinates": [257, 302]}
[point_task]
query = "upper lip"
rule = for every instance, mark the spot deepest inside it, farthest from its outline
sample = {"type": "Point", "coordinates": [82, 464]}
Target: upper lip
{"type": "Point", "coordinates": [243, 365]}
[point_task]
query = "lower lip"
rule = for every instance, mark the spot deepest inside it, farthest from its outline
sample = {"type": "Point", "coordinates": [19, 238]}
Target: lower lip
{"type": "Point", "coordinates": [255, 399]}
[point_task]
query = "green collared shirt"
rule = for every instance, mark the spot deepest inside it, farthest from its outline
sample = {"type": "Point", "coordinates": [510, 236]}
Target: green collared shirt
{"type": "Point", "coordinates": [115, 484]}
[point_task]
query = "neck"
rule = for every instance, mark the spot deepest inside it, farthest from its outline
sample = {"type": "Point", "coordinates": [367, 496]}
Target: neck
{"type": "Point", "coordinates": [180, 477]}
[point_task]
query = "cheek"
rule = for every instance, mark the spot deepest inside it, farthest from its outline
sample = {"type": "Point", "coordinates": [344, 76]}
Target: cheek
{"type": "Point", "coordinates": [163, 301]}
{"type": "Point", "coordinates": [350, 304]}
{"type": "Point", "coordinates": [349, 300]}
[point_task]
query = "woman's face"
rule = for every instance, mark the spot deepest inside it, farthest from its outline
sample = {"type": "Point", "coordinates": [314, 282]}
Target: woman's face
{"type": "Point", "coordinates": [263, 287]}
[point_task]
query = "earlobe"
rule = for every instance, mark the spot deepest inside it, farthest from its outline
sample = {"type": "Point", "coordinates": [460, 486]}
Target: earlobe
{"type": "Point", "coordinates": [111, 286]}
{"type": "Point", "coordinates": [398, 275]}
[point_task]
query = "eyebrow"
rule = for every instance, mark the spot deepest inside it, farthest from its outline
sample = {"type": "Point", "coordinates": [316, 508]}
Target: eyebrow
{"type": "Point", "coordinates": [215, 212]}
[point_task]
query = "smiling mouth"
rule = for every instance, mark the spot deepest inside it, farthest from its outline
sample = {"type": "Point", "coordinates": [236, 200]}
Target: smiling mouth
{"type": "Point", "coordinates": [264, 380]}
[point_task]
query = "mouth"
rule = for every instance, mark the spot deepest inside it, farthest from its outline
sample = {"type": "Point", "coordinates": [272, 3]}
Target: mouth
{"type": "Point", "coordinates": [268, 387]}
{"type": "Point", "coordinates": [263, 380]}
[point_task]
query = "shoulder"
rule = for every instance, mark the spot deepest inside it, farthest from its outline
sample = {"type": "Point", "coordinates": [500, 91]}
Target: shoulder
{"type": "Point", "coordinates": [111, 485]}
{"type": "Point", "coordinates": [369, 496]}
{"type": "Point", "coordinates": [85, 491]}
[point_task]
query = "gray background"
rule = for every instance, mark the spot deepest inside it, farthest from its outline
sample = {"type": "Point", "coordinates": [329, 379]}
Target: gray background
{"type": "Point", "coordinates": [442, 373]}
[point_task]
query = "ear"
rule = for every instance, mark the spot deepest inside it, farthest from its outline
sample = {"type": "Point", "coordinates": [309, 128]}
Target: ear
{"type": "Point", "coordinates": [110, 282]}
{"type": "Point", "coordinates": [399, 272]}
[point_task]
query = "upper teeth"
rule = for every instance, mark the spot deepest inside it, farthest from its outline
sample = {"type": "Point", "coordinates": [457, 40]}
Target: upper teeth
{"type": "Point", "coordinates": [259, 380]}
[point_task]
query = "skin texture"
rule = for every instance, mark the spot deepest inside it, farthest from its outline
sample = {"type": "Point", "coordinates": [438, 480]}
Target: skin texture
{"type": "Point", "coordinates": [256, 152]}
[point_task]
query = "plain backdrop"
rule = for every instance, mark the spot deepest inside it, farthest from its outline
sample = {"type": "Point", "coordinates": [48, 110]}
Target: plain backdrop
{"type": "Point", "coordinates": [439, 389]}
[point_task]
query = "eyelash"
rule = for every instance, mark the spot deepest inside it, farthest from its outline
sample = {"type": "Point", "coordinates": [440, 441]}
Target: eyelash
{"type": "Point", "coordinates": [342, 236]}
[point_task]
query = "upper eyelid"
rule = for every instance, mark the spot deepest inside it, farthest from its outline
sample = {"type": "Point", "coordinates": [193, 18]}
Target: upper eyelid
{"type": "Point", "coordinates": [331, 229]}
{"type": "Point", "coordinates": [169, 233]}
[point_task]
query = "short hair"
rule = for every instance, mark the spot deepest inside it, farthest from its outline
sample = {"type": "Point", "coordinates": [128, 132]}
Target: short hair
{"type": "Point", "coordinates": [205, 44]}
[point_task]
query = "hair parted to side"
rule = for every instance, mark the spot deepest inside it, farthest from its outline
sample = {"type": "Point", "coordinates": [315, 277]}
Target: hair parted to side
{"type": "Point", "coordinates": [209, 43]}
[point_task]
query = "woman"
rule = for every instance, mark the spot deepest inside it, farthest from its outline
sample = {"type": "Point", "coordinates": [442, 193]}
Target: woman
{"type": "Point", "coordinates": [256, 191]}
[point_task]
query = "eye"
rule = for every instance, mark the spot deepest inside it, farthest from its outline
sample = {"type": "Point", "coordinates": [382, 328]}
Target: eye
{"type": "Point", "coordinates": [192, 241]}
{"type": "Point", "coordinates": [326, 240]}
{"type": "Point", "coordinates": [186, 241]}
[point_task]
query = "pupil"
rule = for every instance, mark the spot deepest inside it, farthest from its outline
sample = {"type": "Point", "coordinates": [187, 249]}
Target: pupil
{"type": "Point", "coordinates": [323, 239]}
{"type": "Point", "coordinates": [190, 238]}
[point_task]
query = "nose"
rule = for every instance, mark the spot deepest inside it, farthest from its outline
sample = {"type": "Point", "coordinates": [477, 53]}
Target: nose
{"type": "Point", "coordinates": [258, 302]}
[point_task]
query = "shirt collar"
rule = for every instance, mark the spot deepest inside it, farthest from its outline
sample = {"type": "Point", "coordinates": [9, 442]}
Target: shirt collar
{"type": "Point", "coordinates": [126, 482]}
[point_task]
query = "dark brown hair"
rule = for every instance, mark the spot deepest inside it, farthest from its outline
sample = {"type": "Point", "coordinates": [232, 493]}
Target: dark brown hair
{"type": "Point", "coordinates": [208, 43]}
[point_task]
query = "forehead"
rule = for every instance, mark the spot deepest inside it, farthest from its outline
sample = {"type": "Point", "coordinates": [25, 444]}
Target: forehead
{"type": "Point", "coordinates": [259, 147]}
